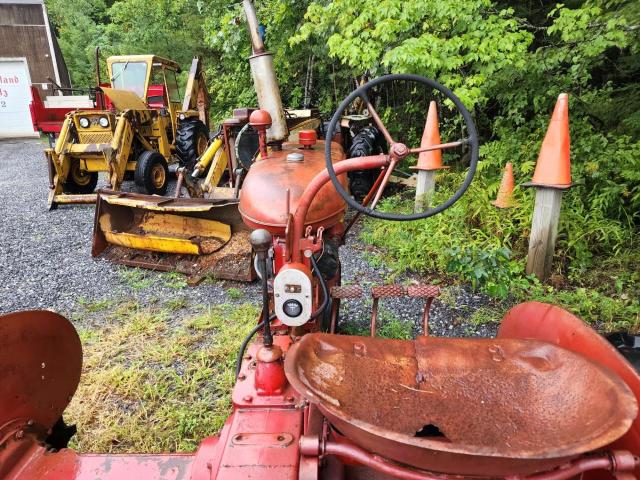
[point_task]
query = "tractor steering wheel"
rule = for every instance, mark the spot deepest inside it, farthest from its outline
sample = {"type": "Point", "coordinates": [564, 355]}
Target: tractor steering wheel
{"type": "Point", "coordinates": [399, 151]}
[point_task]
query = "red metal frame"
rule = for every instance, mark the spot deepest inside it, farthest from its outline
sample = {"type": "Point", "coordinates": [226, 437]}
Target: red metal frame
{"type": "Point", "coordinates": [49, 120]}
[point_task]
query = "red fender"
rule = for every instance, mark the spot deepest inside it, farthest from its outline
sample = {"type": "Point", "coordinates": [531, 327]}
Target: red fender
{"type": "Point", "coordinates": [542, 321]}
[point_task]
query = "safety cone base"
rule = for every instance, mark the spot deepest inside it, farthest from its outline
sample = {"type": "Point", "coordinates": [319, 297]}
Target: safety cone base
{"type": "Point", "coordinates": [545, 185]}
{"type": "Point", "coordinates": [504, 204]}
{"type": "Point", "coordinates": [429, 169]}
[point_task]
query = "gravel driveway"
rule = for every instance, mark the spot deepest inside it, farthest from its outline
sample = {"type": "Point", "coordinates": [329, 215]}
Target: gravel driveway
{"type": "Point", "coordinates": [45, 263]}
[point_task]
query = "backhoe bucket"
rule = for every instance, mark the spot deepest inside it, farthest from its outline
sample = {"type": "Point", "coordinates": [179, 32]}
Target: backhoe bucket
{"type": "Point", "coordinates": [197, 237]}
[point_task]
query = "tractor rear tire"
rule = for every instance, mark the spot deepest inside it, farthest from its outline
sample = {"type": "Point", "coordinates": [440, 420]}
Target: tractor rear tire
{"type": "Point", "coordinates": [79, 181]}
{"type": "Point", "coordinates": [366, 142]}
{"type": "Point", "coordinates": [192, 140]}
{"type": "Point", "coordinates": [152, 173]}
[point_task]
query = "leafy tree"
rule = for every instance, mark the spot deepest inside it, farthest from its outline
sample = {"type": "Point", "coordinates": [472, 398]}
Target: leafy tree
{"type": "Point", "coordinates": [80, 27]}
{"type": "Point", "coordinates": [463, 44]}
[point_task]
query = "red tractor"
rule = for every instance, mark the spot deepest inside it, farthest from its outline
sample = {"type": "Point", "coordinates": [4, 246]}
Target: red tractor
{"type": "Point", "coordinates": [548, 399]}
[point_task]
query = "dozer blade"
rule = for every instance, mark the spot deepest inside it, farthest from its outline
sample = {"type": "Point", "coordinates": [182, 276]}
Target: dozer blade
{"type": "Point", "coordinates": [197, 237]}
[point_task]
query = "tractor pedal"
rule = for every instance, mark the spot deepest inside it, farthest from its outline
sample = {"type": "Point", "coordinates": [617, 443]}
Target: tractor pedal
{"type": "Point", "coordinates": [347, 291]}
{"type": "Point", "coordinates": [423, 291]}
{"type": "Point", "coordinates": [384, 291]}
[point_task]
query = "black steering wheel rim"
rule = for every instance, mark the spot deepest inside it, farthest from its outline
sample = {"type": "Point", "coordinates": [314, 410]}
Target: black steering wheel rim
{"type": "Point", "coordinates": [472, 140]}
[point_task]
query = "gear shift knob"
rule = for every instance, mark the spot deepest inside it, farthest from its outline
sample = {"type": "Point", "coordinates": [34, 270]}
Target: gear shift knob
{"type": "Point", "coordinates": [260, 241]}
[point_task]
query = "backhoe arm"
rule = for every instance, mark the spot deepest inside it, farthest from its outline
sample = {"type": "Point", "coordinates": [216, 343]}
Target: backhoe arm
{"type": "Point", "coordinates": [196, 95]}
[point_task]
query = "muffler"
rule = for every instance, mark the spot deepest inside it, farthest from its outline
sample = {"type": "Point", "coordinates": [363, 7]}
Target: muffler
{"type": "Point", "coordinates": [264, 79]}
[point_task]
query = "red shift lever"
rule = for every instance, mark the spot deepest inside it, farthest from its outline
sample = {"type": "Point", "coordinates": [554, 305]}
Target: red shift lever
{"type": "Point", "coordinates": [260, 120]}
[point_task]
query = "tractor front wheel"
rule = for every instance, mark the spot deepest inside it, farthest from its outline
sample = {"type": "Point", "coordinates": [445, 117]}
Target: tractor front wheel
{"type": "Point", "coordinates": [80, 181]}
{"type": "Point", "coordinates": [152, 173]}
{"type": "Point", "coordinates": [191, 142]}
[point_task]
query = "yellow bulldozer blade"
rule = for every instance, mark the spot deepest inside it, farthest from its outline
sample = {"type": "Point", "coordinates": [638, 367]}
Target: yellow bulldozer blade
{"type": "Point", "coordinates": [197, 237]}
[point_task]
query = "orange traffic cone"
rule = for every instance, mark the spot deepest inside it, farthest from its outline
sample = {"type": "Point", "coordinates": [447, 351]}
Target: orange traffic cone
{"type": "Point", "coordinates": [553, 168]}
{"type": "Point", "coordinates": [505, 194]}
{"type": "Point", "coordinates": [431, 136]}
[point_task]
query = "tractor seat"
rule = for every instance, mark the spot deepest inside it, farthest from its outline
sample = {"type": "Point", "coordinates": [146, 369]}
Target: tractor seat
{"type": "Point", "coordinates": [436, 403]}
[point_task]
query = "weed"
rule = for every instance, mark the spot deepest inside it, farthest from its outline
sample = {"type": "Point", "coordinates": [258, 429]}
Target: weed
{"type": "Point", "coordinates": [352, 328]}
{"type": "Point", "coordinates": [388, 326]}
{"type": "Point", "coordinates": [135, 278]}
{"type": "Point", "coordinates": [394, 328]}
{"type": "Point", "coordinates": [485, 316]}
{"type": "Point", "coordinates": [483, 268]}
{"type": "Point", "coordinates": [176, 303]}
{"type": "Point", "coordinates": [174, 280]}
{"type": "Point", "coordinates": [476, 243]}
{"type": "Point", "coordinates": [607, 313]}
{"type": "Point", "coordinates": [449, 296]}
{"type": "Point", "coordinates": [93, 306]}
{"type": "Point", "coordinates": [234, 293]}
{"type": "Point", "coordinates": [87, 335]}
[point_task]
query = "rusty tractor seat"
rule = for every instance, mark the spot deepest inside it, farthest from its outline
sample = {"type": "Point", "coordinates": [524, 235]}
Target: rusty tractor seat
{"type": "Point", "coordinates": [462, 406]}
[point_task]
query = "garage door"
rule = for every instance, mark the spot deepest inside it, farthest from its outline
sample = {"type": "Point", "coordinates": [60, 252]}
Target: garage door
{"type": "Point", "coordinates": [15, 96]}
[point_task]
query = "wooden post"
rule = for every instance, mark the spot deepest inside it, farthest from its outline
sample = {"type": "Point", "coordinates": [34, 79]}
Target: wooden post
{"type": "Point", "coordinates": [425, 188]}
{"type": "Point", "coordinates": [544, 231]}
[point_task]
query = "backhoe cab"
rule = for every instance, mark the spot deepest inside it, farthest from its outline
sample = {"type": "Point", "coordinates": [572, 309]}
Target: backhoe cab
{"type": "Point", "coordinates": [143, 125]}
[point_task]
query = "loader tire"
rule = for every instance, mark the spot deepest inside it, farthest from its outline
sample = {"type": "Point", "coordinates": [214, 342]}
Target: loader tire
{"type": "Point", "coordinates": [152, 173]}
{"type": "Point", "coordinates": [367, 141]}
{"type": "Point", "coordinates": [80, 182]}
{"type": "Point", "coordinates": [191, 142]}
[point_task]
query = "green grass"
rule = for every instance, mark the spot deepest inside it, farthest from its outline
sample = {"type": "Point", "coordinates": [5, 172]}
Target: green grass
{"type": "Point", "coordinates": [174, 280]}
{"type": "Point", "coordinates": [135, 278]}
{"type": "Point", "coordinates": [176, 303]}
{"type": "Point", "coordinates": [596, 267]}
{"type": "Point", "coordinates": [486, 316]}
{"type": "Point", "coordinates": [234, 293]}
{"type": "Point", "coordinates": [388, 325]}
{"type": "Point", "coordinates": [606, 312]}
{"type": "Point", "coordinates": [153, 383]}
{"type": "Point", "coordinates": [95, 305]}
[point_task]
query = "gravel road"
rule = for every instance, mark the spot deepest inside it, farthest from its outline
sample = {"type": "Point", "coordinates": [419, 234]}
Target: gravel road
{"type": "Point", "coordinates": [45, 263]}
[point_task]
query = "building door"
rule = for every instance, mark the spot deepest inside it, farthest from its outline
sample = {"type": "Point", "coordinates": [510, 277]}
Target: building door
{"type": "Point", "coordinates": [15, 96]}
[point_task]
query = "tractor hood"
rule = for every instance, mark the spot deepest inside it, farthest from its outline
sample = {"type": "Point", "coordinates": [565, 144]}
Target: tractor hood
{"type": "Point", "coordinates": [264, 201]}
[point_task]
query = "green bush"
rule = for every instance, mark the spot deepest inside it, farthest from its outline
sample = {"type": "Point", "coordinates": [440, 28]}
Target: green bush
{"type": "Point", "coordinates": [490, 270]}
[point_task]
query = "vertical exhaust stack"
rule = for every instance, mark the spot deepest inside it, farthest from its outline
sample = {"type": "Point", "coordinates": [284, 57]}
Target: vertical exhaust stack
{"type": "Point", "coordinates": [264, 79]}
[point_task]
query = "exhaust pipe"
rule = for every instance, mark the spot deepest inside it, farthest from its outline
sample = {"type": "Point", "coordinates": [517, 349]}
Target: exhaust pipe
{"type": "Point", "coordinates": [264, 79]}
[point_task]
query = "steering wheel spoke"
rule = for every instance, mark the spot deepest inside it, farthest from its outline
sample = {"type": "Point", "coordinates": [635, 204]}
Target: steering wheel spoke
{"type": "Point", "coordinates": [399, 151]}
{"type": "Point", "coordinates": [383, 184]}
{"type": "Point", "coordinates": [376, 118]}
{"type": "Point", "coordinates": [441, 146]}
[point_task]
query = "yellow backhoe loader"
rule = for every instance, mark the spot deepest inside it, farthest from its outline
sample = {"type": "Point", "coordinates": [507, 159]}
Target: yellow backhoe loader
{"type": "Point", "coordinates": [141, 126]}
